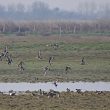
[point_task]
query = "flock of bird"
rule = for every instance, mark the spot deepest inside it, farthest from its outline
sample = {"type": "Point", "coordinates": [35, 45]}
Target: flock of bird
{"type": "Point", "coordinates": [6, 54]}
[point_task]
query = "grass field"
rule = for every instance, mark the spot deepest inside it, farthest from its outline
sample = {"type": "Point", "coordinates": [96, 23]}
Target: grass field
{"type": "Point", "coordinates": [95, 50]}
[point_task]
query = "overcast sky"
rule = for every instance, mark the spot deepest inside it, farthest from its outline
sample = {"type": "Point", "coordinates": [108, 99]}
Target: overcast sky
{"type": "Point", "coordinates": [62, 4]}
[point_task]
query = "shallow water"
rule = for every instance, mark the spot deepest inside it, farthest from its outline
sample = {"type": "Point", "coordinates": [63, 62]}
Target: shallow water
{"type": "Point", "coordinates": [89, 86]}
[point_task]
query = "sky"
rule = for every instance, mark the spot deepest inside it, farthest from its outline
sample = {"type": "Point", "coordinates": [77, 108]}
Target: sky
{"type": "Point", "coordinates": [62, 4]}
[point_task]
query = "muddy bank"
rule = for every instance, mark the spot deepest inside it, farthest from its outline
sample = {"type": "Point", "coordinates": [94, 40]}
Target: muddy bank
{"type": "Point", "coordinates": [66, 101]}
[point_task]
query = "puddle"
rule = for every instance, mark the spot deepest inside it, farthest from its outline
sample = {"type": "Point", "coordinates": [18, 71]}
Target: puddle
{"type": "Point", "coordinates": [89, 86]}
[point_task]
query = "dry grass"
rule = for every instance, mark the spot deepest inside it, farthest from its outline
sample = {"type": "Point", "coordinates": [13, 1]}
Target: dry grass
{"type": "Point", "coordinates": [41, 39]}
{"type": "Point", "coordinates": [66, 101]}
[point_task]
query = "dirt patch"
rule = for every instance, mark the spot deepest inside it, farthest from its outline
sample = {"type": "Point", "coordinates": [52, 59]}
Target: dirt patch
{"type": "Point", "coordinates": [66, 101]}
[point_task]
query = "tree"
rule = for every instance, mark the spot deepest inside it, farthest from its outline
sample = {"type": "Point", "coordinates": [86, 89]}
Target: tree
{"type": "Point", "coordinates": [106, 8]}
{"type": "Point", "coordinates": [87, 9]}
{"type": "Point", "coordinates": [20, 8]}
{"type": "Point", "coordinates": [20, 11]}
{"type": "Point", "coordinates": [39, 10]}
{"type": "Point", "coordinates": [2, 11]}
{"type": "Point", "coordinates": [11, 11]}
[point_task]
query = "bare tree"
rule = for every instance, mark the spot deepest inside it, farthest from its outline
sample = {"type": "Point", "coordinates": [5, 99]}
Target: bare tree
{"type": "Point", "coordinates": [20, 8]}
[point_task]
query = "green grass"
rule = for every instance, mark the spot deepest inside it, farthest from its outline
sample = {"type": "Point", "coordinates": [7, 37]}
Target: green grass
{"type": "Point", "coordinates": [96, 53]}
{"type": "Point", "coordinates": [69, 53]}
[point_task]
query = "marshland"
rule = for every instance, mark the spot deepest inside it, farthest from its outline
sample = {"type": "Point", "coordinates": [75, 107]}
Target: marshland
{"type": "Point", "coordinates": [55, 56]}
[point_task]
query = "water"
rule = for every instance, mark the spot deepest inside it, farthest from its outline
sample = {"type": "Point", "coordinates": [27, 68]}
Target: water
{"type": "Point", "coordinates": [89, 86]}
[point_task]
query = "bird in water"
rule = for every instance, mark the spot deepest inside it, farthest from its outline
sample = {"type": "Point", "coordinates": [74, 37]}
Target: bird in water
{"type": "Point", "coordinates": [55, 83]}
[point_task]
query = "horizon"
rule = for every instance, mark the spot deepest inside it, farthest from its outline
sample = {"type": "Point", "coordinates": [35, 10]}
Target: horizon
{"type": "Point", "coordinates": [69, 5]}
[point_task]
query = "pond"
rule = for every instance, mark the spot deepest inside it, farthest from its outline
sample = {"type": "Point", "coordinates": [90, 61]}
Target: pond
{"type": "Point", "coordinates": [61, 86]}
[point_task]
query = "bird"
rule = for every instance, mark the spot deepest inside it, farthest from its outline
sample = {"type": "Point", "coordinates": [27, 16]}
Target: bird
{"type": "Point", "coordinates": [12, 93]}
{"type": "Point", "coordinates": [55, 83]}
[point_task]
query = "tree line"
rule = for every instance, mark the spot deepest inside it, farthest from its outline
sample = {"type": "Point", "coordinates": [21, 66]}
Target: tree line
{"type": "Point", "coordinates": [41, 11]}
{"type": "Point", "coordinates": [55, 27]}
